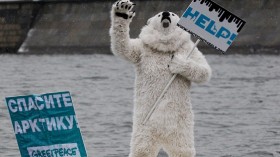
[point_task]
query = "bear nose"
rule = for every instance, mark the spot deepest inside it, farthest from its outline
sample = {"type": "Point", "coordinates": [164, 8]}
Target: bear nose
{"type": "Point", "coordinates": [166, 13]}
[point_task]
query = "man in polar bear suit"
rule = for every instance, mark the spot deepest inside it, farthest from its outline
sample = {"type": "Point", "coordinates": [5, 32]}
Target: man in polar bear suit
{"type": "Point", "coordinates": [158, 53]}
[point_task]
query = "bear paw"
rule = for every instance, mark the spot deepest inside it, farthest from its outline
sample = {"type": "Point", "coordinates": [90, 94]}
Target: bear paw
{"type": "Point", "coordinates": [178, 64]}
{"type": "Point", "coordinates": [123, 8]}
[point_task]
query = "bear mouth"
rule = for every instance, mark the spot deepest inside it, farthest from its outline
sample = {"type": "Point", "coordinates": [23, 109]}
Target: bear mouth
{"type": "Point", "coordinates": [165, 21]}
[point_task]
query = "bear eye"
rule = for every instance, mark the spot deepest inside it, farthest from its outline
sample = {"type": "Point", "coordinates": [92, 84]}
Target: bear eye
{"type": "Point", "coordinates": [173, 15]}
{"type": "Point", "coordinates": [159, 15]}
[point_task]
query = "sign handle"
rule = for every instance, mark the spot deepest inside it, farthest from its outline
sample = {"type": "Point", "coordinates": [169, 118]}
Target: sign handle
{"type": "Point", "coordinates": [166, 87]}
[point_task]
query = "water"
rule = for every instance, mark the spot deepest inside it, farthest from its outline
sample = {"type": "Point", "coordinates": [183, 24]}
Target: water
{"type": "Point", "coordinates": [237, 114]}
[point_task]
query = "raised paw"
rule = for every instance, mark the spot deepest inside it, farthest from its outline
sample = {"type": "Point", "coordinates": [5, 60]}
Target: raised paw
{"type": "Point", "coordinates": [123, 8]}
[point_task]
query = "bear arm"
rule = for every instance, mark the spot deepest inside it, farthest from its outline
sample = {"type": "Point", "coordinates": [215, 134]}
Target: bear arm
{"type": "Point", "coordinates": [195, 68]}
{"type": "Point", "coordinates": [121, 44]}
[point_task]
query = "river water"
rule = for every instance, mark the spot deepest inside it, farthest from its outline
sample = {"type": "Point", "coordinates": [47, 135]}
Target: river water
{"type": "Point", "coordinates": [237, 114]}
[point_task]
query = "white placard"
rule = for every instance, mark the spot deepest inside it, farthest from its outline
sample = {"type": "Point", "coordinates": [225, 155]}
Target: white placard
{"type": "Point", "coordinates": [211, 23]}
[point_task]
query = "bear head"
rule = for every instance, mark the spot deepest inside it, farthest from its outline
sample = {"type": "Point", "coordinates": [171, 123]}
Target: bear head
{"type": "Point", "coordinates": [162, 33]}
{"type": "Point", "coordinates": [164, 22]}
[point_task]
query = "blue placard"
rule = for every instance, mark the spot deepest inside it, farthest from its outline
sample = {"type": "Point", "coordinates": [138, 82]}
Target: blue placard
{"type": "Point", "coordinates": [46, 125]}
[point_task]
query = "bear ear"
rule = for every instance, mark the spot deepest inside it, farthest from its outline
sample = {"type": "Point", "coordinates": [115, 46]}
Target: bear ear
{"type": "Point", "coordinates": [149, 21]}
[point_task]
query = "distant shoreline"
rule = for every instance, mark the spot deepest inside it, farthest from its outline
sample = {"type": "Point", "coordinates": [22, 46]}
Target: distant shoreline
{"type": "Point", "coordinates": [106, 50]}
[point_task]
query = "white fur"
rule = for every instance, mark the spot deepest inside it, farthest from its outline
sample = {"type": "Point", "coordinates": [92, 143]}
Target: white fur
{"type": "Point", "coordinates": [171, 125]}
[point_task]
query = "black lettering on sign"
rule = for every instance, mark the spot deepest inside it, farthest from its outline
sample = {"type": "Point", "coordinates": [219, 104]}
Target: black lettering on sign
{"type": "Point", "coordinates": [223, 13]}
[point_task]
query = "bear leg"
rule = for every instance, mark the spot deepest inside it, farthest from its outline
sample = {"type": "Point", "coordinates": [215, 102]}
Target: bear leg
{"type": "Point", "coordinates": [183, 152]}
{"type": "Point", "coordinates": [179, 151]}
{"type": "Point", "coordinates": [144, 146]}
{"type": "Point", "coordinates": [180, 144]}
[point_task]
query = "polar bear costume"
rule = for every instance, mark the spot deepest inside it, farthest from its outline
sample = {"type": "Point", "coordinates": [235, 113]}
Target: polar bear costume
{"type": "Point", "coordinates": [158, 53]}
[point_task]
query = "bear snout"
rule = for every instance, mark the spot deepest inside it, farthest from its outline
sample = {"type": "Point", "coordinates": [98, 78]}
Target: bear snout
{"type": "Point", "coordinates": [165, 19]}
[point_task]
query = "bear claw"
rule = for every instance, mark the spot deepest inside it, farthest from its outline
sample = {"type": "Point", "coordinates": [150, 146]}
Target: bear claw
{"type": "Point", "coordinates": [124, 9]}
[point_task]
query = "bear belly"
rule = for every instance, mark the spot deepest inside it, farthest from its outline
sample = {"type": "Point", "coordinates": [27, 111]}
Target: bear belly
{"type": "Point", "coordinates": [174, 110]}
